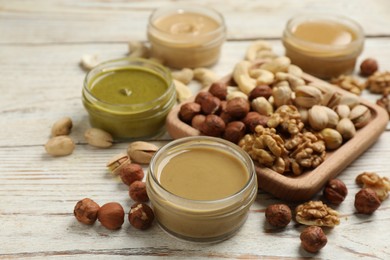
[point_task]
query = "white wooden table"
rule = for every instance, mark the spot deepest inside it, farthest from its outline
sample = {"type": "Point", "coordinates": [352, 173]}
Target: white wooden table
{"type": "Point", "coordinates": [41, 43]}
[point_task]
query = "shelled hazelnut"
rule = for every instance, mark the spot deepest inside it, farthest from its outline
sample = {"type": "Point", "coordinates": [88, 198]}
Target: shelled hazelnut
{"type": "Point", "coordinates": [253, 119]}
{"type": "Point", "coordinates": [111, 215]}
{"type": "Point", "coordinates": [198, 121]}
{"type": "Point", "coordinates": [366, 201]}
{"type": "Point", "coordinates": [313, 239]}
{"type": "Point", "coordinates": [137, 191]}
{"type": "Point", "coordinates": [131, 172]}
{"type": "Point", "coordinates": [260, 91]}
{"type": "Point", "coordinates": [202, 96]}
{"type": "Point", "coordinates": [278, 215]}
{"type": "Point", "coordinates": [335, 191]}
{"type": "Point", "coordinates": [234, 131]}
{"type": "Point", "coordinates": [188, 111]}
{"type": "Point", "coordinates": [238, 107]}
{"type": "Point", "coordinates": [368, 67]}
{"type": "Point", "coordinates": [213, 126]}
{"type": "Point", "coordinates": [141, 216]}
{"type": "Point", "coordinates": [219, 90]}
{"type": "Point", "coordinates": [86, 211]}
{"type": "Point", "coordinates": [210, 105]}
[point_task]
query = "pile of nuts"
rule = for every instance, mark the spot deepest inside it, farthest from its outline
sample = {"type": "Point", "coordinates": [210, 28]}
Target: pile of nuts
{"type": "Point", "coordinates": [284, 122]}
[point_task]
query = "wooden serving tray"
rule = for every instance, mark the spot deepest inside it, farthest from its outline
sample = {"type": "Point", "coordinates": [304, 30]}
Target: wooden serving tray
{"type": "Point", "coordinates": [305, 186]}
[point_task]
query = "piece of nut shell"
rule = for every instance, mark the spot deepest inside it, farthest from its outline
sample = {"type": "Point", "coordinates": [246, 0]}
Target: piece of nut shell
{"type": "Point", "coordinates": [346, 128]}
{"type": "Point", "coordinates": [115, 164]}
{"type": "Point", "coordinates": [60, 145]}
{"type": "Point", "coordinates": [62, 127]}
{"type": "Point", "coordinates": [360, 116]}
{"type": "Point", "coordinates": [98, 138]}
{"type": "Point", "coordinates": [141, 152]}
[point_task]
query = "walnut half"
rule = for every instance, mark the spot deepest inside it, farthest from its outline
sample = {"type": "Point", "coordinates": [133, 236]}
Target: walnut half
{"type": "Point", "coordinates": [316, 213]}
{"type": "Point", "coordinates": [371, 180]}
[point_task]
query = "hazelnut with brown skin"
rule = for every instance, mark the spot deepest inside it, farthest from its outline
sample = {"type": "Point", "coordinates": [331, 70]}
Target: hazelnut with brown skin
{"type": "Point", "coordinates": [219, 89]}
{"type": "Point", "coordinates": [188, 111]}
{"type": "Point", "coordinates": [111, 215]}
{"type": "Point", "coordinates": [238, 107]}
{"type": "Point", "coordinates": [202, 96]}
{"type": "Point", "coordinates": [86, 211]}
{"type": "Point", "coordinates": [260, 91]}
{"type": "Point", "coordinates": [335, 191]}
{"type": "Point", "coordinates": [137, 191]}
{"type": "Point", "coordinates": [131, 172]}
{"type": "Point", "coordinates": [368, 67]}
{"type": "Point", "coordinates": [313, 239]}
{"type": "Point", "coordinates": [253, 119]}
{"type": "Point", "coordinates": [278, 215]}
{"type": "Point", "coordinates": [141, 216]}
{"type": "Point", "coordinates": [213, 126]}
{"type": "Point", "coordinates": [366, 201]}
{"type": "Point", "coordinates": [210, 105]}
{"type": "Point", "coordinates": [234, 131]}
{"type": "Point", "coordinates": [198, 121]}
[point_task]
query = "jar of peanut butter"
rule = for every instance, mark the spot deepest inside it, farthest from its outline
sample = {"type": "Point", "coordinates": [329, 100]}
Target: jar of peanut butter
{"type": "Point", "coordinates": [201, 188]}
{"type": "Point", "coordinates": [323, 45]}
{"type": "Point", "coordinates": [186, 36]}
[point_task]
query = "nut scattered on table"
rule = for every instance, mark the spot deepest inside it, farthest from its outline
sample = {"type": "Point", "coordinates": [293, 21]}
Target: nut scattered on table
{"type": "Point", "coordinates": [335, 191]}
{"type": "Point", "coordinates": [131, 172]}
{"type": "Point", "coordinates": [316, 213]}
{"type": "Point", "coordinates": [278, 215]}
{"type": "Point", "coordinates": [366, 201]}
{"type": "Point", "coordinates": [379, 82]}
{"type": "Point", "coordinates": [141, 216]}
{"type": "Point", "coordinates": [313, 239]}
{"type": "Point", "coordinates": [98, 138]}
{"type": "Point", "coordinates": [137, 191]}
{"type": "Point", "coordinates": [86, 211]}
{"type": "Point", "coordinates": [141, 152]}
{"type": "Point", "coordinates": [184, 75]}
{"type": "Point", "coordinates": [60, 145]}
{"type": "Point", "coordinates": [115, 164]}
{"type": "Point", "coordinates": [368, 67]}
{"type": "Point", "coordinates": [381, 185]}
{"type": "Point", "coordinates": [111, 215]}
{"type": "Point", "coordinates": [62, 127]}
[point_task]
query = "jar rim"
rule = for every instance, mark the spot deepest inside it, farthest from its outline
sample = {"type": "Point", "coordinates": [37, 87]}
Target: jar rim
{"type": "Point", "coordinates": [197, 140]}
{"type": "Point", "coordinates": [175, 9]}
{"type": "Point", "coordinates": [134, 62]}
{"type": "Point", "coordinates": [318, 47]}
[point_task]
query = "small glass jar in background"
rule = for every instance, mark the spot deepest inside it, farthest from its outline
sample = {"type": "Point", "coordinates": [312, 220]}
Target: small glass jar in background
{"type": "Point", "coordinates": [186, 36]}
{"type": "Point", "coordinates": [129, 98]}
{"type": "Point", "coordinates": [194, 219]}
{"type": "Point", "coordinates": [323, 45]}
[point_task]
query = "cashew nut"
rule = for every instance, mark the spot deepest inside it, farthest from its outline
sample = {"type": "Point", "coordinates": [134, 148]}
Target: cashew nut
{"type": "Point", "coordinates": [263, 77]}
{"type": "Point", "coordinates": [279, 64]}
{"type": "Point", "coordinates": [205, 76]}
{"type": "Point", "coordinates": [185, 75]}
{"type": "Point", "coordinates": [242, 78]}
{"type": "Point", "coordinates": [182, 91]}
{"type": "Point", "coordinates": [138, 49]}
{"type": "Point", "coordinates": [294, 81]}
{"type": "Point", "coordinates": [295, 70]}
{"type": "Point", "coordinates": [259, 50]}
{"type": "Point", "coordinates": [233, 92]}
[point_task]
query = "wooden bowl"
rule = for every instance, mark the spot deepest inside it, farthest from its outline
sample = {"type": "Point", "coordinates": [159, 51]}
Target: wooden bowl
{"type": "Point", "coordinates": [305, 186]}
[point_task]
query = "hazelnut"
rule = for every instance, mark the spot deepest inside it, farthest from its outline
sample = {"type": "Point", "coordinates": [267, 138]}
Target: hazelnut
{"type": "Point", "coordinates": [219, 89]}
{"type": "Point", "coordinates": [234, 131]}
{"type": "Point", "coordinates": [253, 119]}
{"type": "Point", "coordinates": [141, 216]}
{"type": "Point", "coordinates": [238, 107]}
{"type": "Point", "coordinates": [137, 191]}
{"type": "Point", "coordinates": [368, 67]}
{"type": "Point", "coordinates": [278, 215]}
{"type": "Point", "coordinates": [366, 201]}
{"type": "Point", "coordinates": [131, 172]}
{"type": "Point", "coordinates": [198, 121]}
{"type": "Point", "coordinates": [188, 111]}
{"type": "Point", "coordinates": [86, 211]}
{"type": "Point", "coordinates": [260, 91]}
{"type": "Point", "coordinates": [226, 117]}
{"type": "Point", "coordinates": [213, 126]}
{"type": "Point", "coordinates": [111, 215]}
{"type": "Point", "coordinates": [313, 239]}
{"type": "Point", "coordinates": [202, 96]}
{"type": "Point", "coordinates": [210, 105]}
{"type": "Point", "coordinates": [335, 191]}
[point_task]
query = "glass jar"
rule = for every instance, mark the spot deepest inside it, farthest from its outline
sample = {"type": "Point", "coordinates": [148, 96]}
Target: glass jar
{"type": "Point", "coordinates": [186, 36]}
{"type": "Point", "coordinates": [129, 98]}
{"type": "Point", "coordinates": [201, 219]}
{"type": "Point", "coordinates": [323, 45]}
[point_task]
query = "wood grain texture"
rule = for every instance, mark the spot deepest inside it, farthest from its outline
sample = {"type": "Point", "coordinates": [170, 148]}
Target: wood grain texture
{"type": "Point", "coordinates": [41, 44]}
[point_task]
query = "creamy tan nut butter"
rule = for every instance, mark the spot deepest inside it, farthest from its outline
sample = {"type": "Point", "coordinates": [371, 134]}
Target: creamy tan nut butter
{"type": "Point", "coordinates": [325, 46]}
{"type": "Point", "coordinates": [201, 188]}
{"type": "Point", "coordinates": [189, 36]}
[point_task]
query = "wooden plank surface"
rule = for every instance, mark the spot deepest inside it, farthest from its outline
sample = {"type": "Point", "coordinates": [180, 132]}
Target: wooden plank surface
{"type": "Point", "coordinates": [41, 43]}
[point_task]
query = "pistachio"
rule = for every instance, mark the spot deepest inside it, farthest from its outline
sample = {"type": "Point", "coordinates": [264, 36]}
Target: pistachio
{"type": "Point", "coordinates": [343, 111]}
{"type": "Point", "coordinates": [262, 106]}
{"type": "Point", "coordinates": [307, 96]}
{"type": "Point", "coordinates": [350, 100]}
{"type": "Point", "coordinates": [62, 127]}
{"type": "Point", "coordinates": [346, 128]}
{"type": "Point", "coordinates": [333, 117]}
{"type": "Point", "coordinates": [60, 145]}
{"type": "Point", "coordinates": [332, 138]}
{"type": "Point", "coordinates": [360, 116]}
{"type": "Point", "coordinates": [141, 152]}
{"type": "Point", "coordinates": [282, 95]}
{"type": "Point", "coordinates": [116, 163]}
{"type": "Point", "coordinates": [318, 117]}
{"type": "Point", "coordinates": [98, 138]}
{"type": "Point", "coordinates": [327, 92]}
